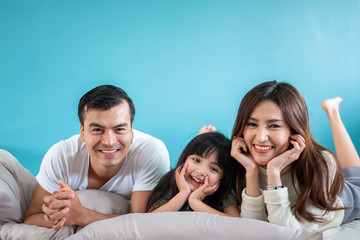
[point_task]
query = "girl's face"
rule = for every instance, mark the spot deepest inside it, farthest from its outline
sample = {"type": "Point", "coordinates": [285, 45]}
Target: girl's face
{"type": "Point", "coordinates": [266, 135]}
{"type": "Point", "coordinates": [200, 167]}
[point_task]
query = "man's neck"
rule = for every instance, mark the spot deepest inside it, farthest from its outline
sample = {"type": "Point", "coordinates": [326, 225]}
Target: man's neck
{"type": "Point", "coordinates": [98, 176]}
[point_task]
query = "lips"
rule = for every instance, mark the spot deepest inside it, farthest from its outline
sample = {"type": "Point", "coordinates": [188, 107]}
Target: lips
{"type": "Point", "coordinates": [262, 148]}
{"type": "Point", "coordinates": [196, 180]}
{"type": "Point", "coordinates": [109, 151]}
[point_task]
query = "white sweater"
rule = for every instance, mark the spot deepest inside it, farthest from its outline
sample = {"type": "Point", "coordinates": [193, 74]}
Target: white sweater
{"type": "Point", "coordinates": [278, 204]}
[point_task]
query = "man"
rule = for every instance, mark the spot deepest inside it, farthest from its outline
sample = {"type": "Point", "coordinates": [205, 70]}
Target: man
{"type": "Point", "coordinates": [107, 155]}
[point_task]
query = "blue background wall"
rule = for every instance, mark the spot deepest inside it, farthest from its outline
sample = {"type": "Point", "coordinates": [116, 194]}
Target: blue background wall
{"type": "Point", "coordinates": [184, 63]}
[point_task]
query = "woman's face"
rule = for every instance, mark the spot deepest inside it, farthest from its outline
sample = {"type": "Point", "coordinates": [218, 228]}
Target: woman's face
{"type": "Point", "coordinates": [266, 134]}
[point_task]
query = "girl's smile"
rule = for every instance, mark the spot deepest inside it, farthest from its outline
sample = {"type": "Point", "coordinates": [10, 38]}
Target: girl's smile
{"type": "Point", "coordinates": [200, 167]}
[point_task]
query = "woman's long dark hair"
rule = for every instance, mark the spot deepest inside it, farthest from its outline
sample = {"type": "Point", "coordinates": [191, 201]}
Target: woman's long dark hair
{"type": "Point", "coordinates": [310, 171]}
{"type": "Point", "coordinates": [203, 145]}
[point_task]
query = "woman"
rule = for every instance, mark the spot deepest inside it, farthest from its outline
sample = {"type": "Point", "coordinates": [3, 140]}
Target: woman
{"type": "Point", "coordinates": [301, 179]}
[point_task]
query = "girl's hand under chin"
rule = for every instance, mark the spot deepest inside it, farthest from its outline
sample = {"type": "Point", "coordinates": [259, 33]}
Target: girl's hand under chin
{"type": "Point", "coordinates": [280, 162]}
{"type": "Point", "coordinates": [181, 182]}
{"type": "Point", "coordinates": [204, 190]}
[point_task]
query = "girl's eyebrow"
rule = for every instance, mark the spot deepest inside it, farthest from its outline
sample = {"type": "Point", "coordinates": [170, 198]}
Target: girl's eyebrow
{"type": "Point", "coordinates": [216, 163]}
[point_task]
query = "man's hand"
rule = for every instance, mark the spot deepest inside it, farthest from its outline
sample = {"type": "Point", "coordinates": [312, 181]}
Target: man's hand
{"type": "Point", "coordinates": [62, 207]}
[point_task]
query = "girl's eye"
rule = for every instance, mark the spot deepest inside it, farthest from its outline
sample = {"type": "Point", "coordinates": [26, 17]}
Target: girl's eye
{"type": "Point", "coordinates": [196, 160]}
{"type": "Point", "coordinates": [214, 169]}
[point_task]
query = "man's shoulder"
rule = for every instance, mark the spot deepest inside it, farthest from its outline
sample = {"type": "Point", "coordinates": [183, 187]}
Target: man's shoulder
{"type": "Point", "coordinates": [72, 145]}
{"type": "Point", "coordinates": [142, 139]}
{"type": "Point", "coordinates": [147, 148]}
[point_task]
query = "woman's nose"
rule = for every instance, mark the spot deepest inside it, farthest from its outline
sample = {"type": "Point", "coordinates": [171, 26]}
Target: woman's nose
{"type": "Point", "coordinates": [262, 134]}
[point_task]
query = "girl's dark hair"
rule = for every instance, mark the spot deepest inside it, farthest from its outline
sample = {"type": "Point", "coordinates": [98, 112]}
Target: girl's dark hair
{"type": "Point", "coordinates": [203, 145]}
{"type": "Point", "coordinates": [310, 171]}
{"type": "Point", "coordinates": [104, 97]}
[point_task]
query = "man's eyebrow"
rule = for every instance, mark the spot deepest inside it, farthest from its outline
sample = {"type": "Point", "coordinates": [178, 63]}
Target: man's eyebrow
{"type": "Point", "coordinates": [100, 126]}
{"type": "Point", "coordinates": [121, 125]}
{"type": "Point", "coordinates": [95, 125]}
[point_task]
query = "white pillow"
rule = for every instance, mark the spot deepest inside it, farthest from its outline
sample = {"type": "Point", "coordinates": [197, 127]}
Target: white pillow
{"type": "Point", "coordinates": [17, 185]}
{"type": "Point", "coordinates": [101, 201]}
{"type": "Point", "coordinates": [104, 202]}
{"type": "Point", "coordinates": [186, 225]}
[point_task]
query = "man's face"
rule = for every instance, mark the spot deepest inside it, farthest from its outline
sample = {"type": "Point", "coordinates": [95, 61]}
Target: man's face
{"type": "Point", "coordinates": [107, 135]}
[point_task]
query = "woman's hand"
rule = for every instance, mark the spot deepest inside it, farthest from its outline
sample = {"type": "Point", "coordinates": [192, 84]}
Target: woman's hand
{"type": "Point", "coordinates": [239, 151]}
{"type": "Point", "coordinates": [278, 163]}
{"type": "Point", "coordinates": [181, 182]}
{"type": "Point", "coordinates": [204, 190]}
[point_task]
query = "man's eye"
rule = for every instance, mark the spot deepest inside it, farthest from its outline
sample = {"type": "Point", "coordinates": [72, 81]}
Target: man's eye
{"type": "Point", "coordinates": [120, 129]}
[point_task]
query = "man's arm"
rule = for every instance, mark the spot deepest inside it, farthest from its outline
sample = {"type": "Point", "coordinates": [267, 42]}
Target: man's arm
{"type": "Point", "coordinates": [64, 208]}
{"type": "Point", "coordinates": [139, 201]}
{"type": "Point", "coordinates": [34, 214]}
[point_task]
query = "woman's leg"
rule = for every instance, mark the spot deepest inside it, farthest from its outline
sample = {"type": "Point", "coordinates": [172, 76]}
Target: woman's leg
{"type": "Point", "coordinates": [345, 149]}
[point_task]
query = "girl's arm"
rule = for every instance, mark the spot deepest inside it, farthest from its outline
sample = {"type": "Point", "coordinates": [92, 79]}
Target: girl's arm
{"type": "Point", "coordinates": [173, 205]}
{"type": "Point", "coordinates": [199, 206]}
{"type": "Point", "coordinates": [176, 202]}
{"type": "Point", "coordinates": [196, 201]}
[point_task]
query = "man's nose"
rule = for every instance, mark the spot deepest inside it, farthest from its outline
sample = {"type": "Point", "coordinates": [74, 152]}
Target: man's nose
{"type": "Point", "coordinates": [109, 138]}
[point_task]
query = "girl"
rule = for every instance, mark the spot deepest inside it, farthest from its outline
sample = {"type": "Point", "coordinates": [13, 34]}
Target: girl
{"type": "Point", "coordinates": [302, 180]}
{"type": "Point", "coordinates": [202, 180]}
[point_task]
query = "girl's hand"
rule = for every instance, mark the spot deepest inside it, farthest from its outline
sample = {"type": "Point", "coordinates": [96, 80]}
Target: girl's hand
{"type": "Point", "coordinates": [181, 182]}
{"type": "Point", "coordinates": [204, 190]}
{"type": "Point", "coordinates": [239, 151]}
{"type": "Point", "coordinates": [280, 162]}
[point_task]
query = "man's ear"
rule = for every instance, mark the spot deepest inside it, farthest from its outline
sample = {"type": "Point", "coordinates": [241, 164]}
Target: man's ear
{"type": "Point", "coordinates": [82, 134]}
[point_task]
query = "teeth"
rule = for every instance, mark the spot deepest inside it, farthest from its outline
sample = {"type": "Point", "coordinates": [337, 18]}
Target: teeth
{"type": "Point", "coordinates": [262, 148]}
{"type": "Point", "coordinates": [109, 151]}
{"type": "Point", "coordinates": [196, 180]}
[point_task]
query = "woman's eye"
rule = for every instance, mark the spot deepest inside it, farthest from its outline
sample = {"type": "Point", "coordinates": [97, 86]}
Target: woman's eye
{"type": "Point", "coordinates": [250, 124]}
{"type": "Point", "coordinates": [274, 126]}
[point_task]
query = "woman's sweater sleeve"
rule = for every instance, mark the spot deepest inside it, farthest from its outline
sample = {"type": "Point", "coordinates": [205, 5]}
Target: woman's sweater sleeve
{"type": "Point", "coordinates": [279, 209]}
{"type": "Point", "coordinates": [253, 207]}
{"type": "Point", "coordinates": [279, 212]}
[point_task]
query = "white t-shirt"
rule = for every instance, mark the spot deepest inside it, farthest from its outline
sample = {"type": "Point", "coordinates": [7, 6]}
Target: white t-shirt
{"type": "Point", "coordinates": [68, 161]}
